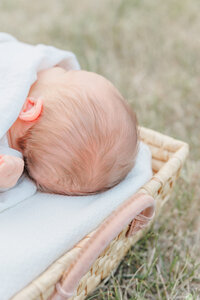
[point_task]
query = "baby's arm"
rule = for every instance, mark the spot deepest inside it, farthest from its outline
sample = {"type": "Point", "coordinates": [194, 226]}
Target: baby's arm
{"type": "Point", "coordinates": [11, 168]}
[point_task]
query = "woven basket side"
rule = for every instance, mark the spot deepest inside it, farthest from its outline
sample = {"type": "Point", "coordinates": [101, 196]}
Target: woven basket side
{"type": "Point", "coordinates": [160, 140]}
{"type": "Point", "coordinates": [165, 175]}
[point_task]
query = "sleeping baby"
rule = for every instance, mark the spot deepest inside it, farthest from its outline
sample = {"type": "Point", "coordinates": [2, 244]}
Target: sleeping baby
{"type": "Point", "coordinates": [75, 133]}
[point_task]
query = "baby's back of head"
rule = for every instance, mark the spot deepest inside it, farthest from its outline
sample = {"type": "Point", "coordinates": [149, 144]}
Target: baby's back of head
{"type": "Point", "coordinates": [85, 141]}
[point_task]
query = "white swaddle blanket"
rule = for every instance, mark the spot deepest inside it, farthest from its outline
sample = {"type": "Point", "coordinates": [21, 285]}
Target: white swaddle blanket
{"type": "Point", "coordinates": [37, 228]}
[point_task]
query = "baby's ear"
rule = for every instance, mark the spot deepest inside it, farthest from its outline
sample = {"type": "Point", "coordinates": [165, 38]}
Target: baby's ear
{"type": "Point", "coordinates": [31, 110]}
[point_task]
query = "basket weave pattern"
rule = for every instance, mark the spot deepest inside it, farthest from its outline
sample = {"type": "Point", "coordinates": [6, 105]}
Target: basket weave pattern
{"type": "Point", "coordinates": [168, 156]}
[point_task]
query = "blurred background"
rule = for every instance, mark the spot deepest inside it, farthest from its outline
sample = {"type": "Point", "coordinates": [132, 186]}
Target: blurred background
{"type": "Point", "coordinates": [150, 49]}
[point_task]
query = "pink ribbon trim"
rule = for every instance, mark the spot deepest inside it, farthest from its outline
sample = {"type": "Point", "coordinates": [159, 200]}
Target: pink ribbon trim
{"type": "Point", "coordinates": [139, 209]}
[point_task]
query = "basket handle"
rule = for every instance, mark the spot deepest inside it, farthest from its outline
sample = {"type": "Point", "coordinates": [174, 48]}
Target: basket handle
{"type": "Point", "coordinates": [139, 209]}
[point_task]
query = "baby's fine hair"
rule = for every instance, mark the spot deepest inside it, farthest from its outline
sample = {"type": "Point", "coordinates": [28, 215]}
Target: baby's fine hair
{"type": "Point", "coordinates": [81, 144]}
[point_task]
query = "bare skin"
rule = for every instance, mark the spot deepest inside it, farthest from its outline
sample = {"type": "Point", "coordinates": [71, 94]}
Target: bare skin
{"type": "Point", "coordinates": [11, 168]}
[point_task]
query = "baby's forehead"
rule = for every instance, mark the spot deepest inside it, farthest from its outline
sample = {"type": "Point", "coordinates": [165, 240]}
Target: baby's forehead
{"type": "Point", "coordinates": [75, 77]}
{"type": "Point", "coordinates": [84, 77]}
{"type": "Point", "coordinates": [90, 82]}
{"type": "Point", "coordinates": [79, 83]}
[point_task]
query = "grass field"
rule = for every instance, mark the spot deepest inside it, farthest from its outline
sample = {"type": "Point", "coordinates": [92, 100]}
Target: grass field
{"type": "Point", "coordinates": [150, 49]}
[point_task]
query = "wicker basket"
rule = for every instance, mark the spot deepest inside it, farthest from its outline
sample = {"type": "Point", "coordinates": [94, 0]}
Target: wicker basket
{"type": "Point", "coordinates": [168, 158]}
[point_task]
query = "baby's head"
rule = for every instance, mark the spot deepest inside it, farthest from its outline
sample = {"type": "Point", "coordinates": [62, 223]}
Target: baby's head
{"type": "Point", "coordinates": [85, 140]}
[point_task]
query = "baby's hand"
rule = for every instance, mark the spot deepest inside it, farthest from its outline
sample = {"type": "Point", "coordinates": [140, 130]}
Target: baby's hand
{"type": "Point", "coordinates": [11, 168]}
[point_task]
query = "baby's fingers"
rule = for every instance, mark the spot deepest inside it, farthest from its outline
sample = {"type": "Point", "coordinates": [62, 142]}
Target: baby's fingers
{"type": "Point", "coordinates": [11, 168]}
{"type": "Point", "coordinates": [11, 164]}
{"type": "Point", "coordinates": [1, 159]}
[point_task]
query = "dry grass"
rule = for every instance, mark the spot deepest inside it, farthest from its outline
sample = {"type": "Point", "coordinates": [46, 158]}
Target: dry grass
{"type": "Point", "coordinates": [150, 49]}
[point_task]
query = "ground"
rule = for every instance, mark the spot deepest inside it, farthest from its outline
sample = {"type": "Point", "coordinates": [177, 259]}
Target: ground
{"type": "Point", "coordinates": [150, 49]}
